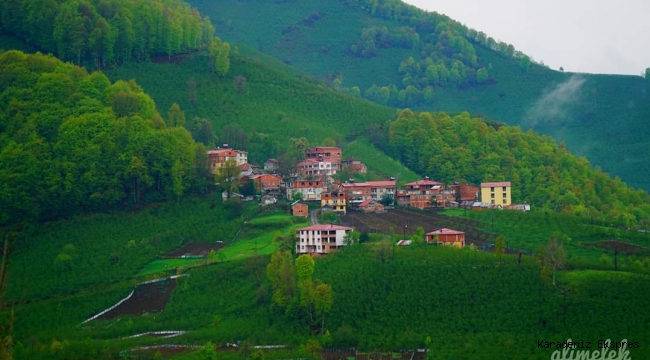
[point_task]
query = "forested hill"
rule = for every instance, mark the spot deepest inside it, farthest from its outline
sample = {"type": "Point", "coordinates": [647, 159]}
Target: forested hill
{"type": "Point", "coordinates": [395, 54]}
{"type": "Point", "coordinates": [99, 33]}
{"type": "Point", "coordinates": [542, 173]}
{"type": "Point", "coordinates": [72, 141]}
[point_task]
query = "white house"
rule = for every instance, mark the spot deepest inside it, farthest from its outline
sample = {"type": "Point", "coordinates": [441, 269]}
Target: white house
{"type": "Point", "coordinates": [320, 239]}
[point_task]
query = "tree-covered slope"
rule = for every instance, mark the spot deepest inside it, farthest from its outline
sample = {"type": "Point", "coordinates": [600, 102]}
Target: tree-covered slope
{"type": "Point", "coordinates": [98, 33]}
{"type": "Point", "coordinates": [598, 116]}
{"type": "Point", "coordinates": [542, 173]}
{"type": "Point", "coordinates": [72, 141]}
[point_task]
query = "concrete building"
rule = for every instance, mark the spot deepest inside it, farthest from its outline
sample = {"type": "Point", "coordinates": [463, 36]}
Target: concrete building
{"type": "Point", "coordinates": [320, 239]}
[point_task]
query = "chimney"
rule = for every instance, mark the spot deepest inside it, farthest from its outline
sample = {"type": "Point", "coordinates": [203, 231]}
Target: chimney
{"type": "Point", "coordinates": [426, 178]}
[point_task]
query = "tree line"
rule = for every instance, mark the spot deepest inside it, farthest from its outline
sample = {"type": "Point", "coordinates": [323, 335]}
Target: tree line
{"type": "Point", "coordinates": [105, 32]}
{"type": "Point", "coordinates": [72, 141]}
{"type": "Point", "coordinates": [542, 173]}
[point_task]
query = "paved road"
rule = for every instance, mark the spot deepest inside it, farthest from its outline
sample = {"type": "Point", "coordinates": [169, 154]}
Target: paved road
{"type": "Point", "coordinates": [313, 216]}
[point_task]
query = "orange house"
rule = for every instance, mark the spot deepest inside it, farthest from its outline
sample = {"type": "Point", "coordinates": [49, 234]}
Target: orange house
{"type": "Point", "coordinates": [299, 209]}
{"type": "Point", "coordinates": [266, 182]}
{"type": "Point", "coordinates": [447, 237]}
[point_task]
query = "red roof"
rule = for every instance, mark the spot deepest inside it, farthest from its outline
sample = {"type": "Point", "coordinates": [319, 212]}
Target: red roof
{"type": "Point", "coordinates": [445, 231]}
{"type": "Point", "coordinates": [495, 184]}
{"type": "Point", "coordinates": [324, 227]}
{"type": "Point", "coordinates": [424, 182]}
{"type": "Point", "coordinates": [245, 166]}
{"type": "Point", "coordinates": [386, 183]}
{"type": "Point", "coordinates": [366, 203]}
{"type": "Point", "coordinates": [223, 152]}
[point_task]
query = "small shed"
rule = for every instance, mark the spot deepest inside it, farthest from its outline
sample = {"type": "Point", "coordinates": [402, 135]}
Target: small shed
{"type": "Point", "coordinates": [449, 237]}
{"type": "Point", "coordinates": [371, 205]}
{"type": "Point", "coordinates": [299, 208]}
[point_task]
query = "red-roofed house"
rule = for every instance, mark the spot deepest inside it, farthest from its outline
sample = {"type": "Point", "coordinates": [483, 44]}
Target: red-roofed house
{"type": "Point", "coordinates": [355, 165]}
{"type": "Point", "coordinates": [497, 193]}
{"type": "Point", "coordinates": [320, 239]}
{"type": "Point", "coordinates": [216, 157]}
{"type": "Point", "coordinates": [447, 237]}
{"type": "Point", "coordinates": [420, 194]}
{"type": "Point", "coordinates": [266, 182]}
{"type": "Point", "coordinates": [356, 193]}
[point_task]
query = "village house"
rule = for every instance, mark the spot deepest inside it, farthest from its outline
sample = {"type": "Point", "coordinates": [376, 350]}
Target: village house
{"type": "Point", "coordinates": [355, 166]}
{"type": "Point", "coordinates": [268, 200]}
{"type": "Point", "coordinates": [371, 205]}
{"type": "Point", "coordinates": [271, 165]}
{"type": "Point", "coordinates": [356, 193]}
{"type": "Point", "coordinates": [246, 170]}
{"type": "Point", "coordinates": [497, 193]}
{"type": "Point", "coordinates": [421, 194]}
{"type": "Point", "coordinates": [217, 157]}
{"type": "Point", "coordinates": [311, 190]}
{"type": "Point", "coordinates": [266, 182]}
{"type": "Point", "coordinates": [334, 201]}
{"type": "Point", "coordinates": [448, 237]}
{"type": "Point", "coordinates": [320, 239]}
{"type": "Point", "coordinates": [465, 192]}
{"type": "Point", "coordinates": [320, 160]}
{"type": "Point", "coordinates": [299, 208]}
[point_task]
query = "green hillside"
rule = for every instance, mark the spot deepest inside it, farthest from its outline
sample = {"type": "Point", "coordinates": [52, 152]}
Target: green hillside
{"type": "Point", "coordinates": [275, 103]}
{"type": "Point", "coordinates": [601, 117]}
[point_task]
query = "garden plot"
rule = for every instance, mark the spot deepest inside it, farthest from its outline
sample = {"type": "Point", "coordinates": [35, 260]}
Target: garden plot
{"type": "Point", "coordinates": [405, 223]}
{"type": "Point", "coordinates": [147, 297]}
{"type": "Point", "coordinates": [619, 246]}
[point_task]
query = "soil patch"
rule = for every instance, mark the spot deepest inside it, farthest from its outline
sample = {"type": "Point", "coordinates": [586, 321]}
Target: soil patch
{"type": "Point", "coordinates": [621, 246]}
{"type": "Point", "coordinates": [200, 249]}
{"type": "Point", "coordinates": [147, 298]}
{"type": "Point", "coordinates": [405, 223]}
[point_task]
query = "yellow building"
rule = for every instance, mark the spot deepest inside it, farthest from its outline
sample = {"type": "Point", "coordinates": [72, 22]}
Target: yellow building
{"type": "Point", "coordinates": [335, 201]}
{"type": "Point", "coordinates": [497, 193]}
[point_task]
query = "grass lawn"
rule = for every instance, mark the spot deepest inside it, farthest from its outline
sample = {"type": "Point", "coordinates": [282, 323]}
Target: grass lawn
{"type": "Point", "coordinates": [259, 245]}
{"type": "Point", "coordinates": [273, 219]}
{"type": "Point", "coordinates": [158, 266]}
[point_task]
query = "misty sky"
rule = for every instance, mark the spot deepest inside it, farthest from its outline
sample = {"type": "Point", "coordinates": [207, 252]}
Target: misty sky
{"type": "Point", "coordinates": [594, 36]}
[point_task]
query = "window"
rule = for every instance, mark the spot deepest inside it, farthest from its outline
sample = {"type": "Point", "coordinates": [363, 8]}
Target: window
{"type": "Point", "coordinates": [504, 189]}
{"type": "Point", "coordinates": [492, 201]}
{"type": "Point", "coordinates": [492, 189]}
{"type": "Point", "coordinates": [492, 196]}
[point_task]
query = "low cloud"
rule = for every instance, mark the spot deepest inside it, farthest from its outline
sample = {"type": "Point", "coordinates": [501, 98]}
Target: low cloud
{"type": "Point", "coordinates": [553, 107]}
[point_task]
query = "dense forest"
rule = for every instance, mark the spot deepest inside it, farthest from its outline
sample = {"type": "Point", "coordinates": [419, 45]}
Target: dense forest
{"type": "Point", "coordinates": [72, 141]}
{"type": "Point", "coordinates": [466, 149]}
{"type": "Point", "coordinates": [105, 32]}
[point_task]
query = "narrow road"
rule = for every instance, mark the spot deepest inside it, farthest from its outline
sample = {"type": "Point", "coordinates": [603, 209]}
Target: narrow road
{"type": "Point", "coordinates": [313, 216]}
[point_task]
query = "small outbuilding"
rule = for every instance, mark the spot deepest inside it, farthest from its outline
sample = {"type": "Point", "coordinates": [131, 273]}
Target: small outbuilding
{"type": "Point", "coordinates": [447, 237]}
{"type": "Point", "coordinates": [370, 205]}
{"type": "Point", "coordinates": [299, 208]}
